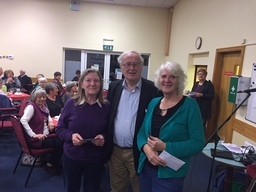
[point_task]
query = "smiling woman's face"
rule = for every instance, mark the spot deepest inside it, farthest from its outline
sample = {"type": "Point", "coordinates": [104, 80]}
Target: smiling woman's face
{"type": "Point", "coordinates": [168, 82]}
{"type": "Point", "coordinates": [40, 100]}
{"type": "Point", "coordinates": [91, 84]}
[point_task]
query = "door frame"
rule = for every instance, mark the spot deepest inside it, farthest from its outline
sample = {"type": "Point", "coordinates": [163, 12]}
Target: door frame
{"type": "Point", "coordinates": [212, 124]}
{"type": "Point", "coordinates": [107, 60]}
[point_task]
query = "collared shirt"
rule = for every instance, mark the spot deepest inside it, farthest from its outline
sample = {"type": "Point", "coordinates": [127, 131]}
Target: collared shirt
{"type": "Point", "coordinates": [126, 115]}
{"type": "Point", "coordinates": [97, 101]}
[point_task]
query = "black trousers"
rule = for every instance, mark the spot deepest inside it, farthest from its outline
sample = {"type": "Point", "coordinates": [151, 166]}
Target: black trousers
{"type": "Point", "coordinates": [75, 172]}
{"type": "Point", "coordinates": [56, 154]}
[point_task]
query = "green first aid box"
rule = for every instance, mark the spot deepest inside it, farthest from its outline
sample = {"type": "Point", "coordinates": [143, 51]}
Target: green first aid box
{"type": "Point", "coordinates": [238, 83]}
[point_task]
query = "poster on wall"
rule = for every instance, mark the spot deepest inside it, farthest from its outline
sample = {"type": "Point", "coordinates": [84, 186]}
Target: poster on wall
{"type": "Point", "coordinates": [251, 106]}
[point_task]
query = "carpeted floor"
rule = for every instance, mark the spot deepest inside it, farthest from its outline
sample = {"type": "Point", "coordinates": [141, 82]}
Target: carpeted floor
{"type": "Point", "coordinates": [196, 180]}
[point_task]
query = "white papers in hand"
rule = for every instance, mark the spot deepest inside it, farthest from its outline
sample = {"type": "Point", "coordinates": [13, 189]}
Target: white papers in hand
{"type": "Point", "coordinates": [171, 161]}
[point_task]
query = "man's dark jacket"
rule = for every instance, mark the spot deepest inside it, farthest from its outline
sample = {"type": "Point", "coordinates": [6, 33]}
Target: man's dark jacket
{"type": "Point", "coordinates": [148, 92]}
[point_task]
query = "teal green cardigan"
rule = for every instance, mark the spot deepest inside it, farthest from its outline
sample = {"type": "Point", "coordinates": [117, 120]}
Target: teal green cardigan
{"type": "Point", "coordinates": [182, 133]}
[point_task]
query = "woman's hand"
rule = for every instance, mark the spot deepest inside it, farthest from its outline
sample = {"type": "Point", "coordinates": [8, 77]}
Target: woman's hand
{"type": "Point", "coordinates": [40, 137]}
{"type": "Point", "coordinates": [156, 144]}
{"type": "Point", "coordinates": [77, 139]}
{"type": "Point", "coordinates": [98, 140]}
{"type": "Point", "coordinates": [9, 80]}
{"type": "Point", "coordinates": [51, 126]}
{"type": "Point", "coordinates": [198, 95]}
{"type": "Point", "coordinates": [152, 156]}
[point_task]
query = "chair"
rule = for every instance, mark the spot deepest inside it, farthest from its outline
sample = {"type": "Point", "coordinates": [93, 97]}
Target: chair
{"type": "Point", "coordinates": [36, 153]}
{"type": "Point", "coordinates": [251, 172]}
{"type": "Point", "coordinates": [22, 107]}
{"type": "Point", "coordinates": [10, 110]}
{"type": "Point", "coordinates": [6, 110]}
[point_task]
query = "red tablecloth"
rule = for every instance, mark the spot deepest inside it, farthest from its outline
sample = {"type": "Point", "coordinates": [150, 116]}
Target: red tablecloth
{"type": "Point", "coordinates": [20, 97]}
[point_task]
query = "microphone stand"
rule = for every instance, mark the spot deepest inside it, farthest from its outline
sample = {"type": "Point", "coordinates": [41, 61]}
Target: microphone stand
{"type": "Point", "coordinates": [216, 138]}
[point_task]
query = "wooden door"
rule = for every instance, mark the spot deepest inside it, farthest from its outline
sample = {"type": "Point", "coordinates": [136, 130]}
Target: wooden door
{"type": "Point", "coordinates": [229, 68]}
{"type": "Point", "coordinates": [228, 62]}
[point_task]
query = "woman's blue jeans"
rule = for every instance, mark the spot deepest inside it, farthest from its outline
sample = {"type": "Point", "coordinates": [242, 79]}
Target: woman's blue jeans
{"type": "Point", "coordinates": [151, 183]}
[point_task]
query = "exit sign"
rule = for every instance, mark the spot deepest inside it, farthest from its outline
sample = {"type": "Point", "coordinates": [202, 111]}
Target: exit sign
{"type": "Point", "coordinates": [108, 47]}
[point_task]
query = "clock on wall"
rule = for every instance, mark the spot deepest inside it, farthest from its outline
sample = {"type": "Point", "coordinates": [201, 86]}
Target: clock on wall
{"type": "Point", "coordinates": [198, 42]}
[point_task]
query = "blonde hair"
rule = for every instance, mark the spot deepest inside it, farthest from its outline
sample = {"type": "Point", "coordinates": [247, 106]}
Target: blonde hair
{"type": "Point", "coordinates": [202, 71]}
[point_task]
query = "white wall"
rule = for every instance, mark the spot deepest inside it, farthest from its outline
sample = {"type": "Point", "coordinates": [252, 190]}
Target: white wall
{"type": "Point", "coordinates": [220, 23]}
{"type": "Point", "coordinates": [35, 32]}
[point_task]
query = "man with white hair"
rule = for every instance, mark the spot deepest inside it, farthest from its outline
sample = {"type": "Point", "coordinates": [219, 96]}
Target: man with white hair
{"type": "Point", "coordinates": [25, 81]}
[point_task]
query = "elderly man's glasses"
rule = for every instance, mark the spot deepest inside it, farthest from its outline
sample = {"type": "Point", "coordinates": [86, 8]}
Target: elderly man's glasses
{"type": "Point", "coordinates": [129, 64]}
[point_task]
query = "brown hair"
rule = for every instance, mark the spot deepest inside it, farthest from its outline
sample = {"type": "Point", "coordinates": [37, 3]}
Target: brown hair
{"type": "Point", "coordinates": [9, 71]}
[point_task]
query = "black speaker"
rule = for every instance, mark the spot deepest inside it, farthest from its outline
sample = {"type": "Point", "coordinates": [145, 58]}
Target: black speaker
{"type": "Point", "coordinates": [246, 160]}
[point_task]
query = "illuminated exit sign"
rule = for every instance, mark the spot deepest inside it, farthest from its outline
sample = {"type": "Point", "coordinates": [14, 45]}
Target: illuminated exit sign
{"type": "Point", "coordinates": [108, 47]}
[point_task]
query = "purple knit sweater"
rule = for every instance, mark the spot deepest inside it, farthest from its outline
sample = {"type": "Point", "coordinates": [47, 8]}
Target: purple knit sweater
{"type": "Point", "coordinates": [88, 121]}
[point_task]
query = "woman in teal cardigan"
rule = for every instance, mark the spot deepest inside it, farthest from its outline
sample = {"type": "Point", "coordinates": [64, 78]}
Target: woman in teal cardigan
{"type": "Point", "coordinates": [173, 123]}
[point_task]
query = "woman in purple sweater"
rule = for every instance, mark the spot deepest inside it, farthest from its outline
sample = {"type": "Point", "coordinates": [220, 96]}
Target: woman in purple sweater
{"type": "Point", "coordinates": [83, 126]}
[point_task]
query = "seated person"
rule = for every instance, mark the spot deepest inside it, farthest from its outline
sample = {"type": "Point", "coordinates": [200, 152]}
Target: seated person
{"type": "Point", "coordinates": [112, 77]}
{"type": "Point", "coordinates": [42, 81]}
{"type": "Point", "coordinates": [3, 88]}
{"type": "Point", "coordinates": [5, 102]}
{"type": "Point", "coordinates": [4, 76]}
{"type": "Point", "coordinates": [25, 81]}
{"type": "Point", "coordinates": [53, 100]}
{"type": "Point", "coordinates": [56, 80]}
{"type": "Point", "coordinates": [37, 83]}
{"type": "Point", "coordinates": [11, 82]}
{"type": "Point", "coordinates": [78, 74]}
{"type": "Point", "coordinates": [71, 89]}
{"type": "Point", "coordinates": [38, 125]}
